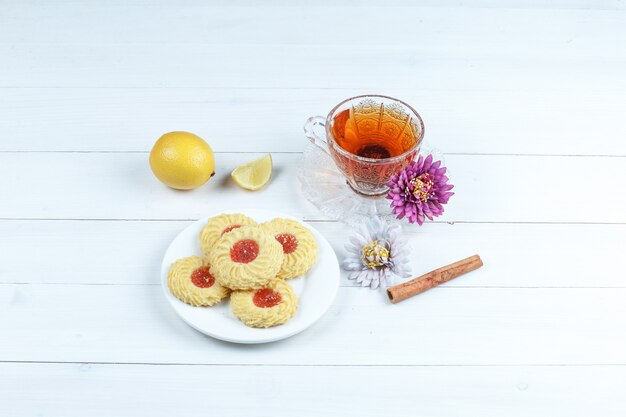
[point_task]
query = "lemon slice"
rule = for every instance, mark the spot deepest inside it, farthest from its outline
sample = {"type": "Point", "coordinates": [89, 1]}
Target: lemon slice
{"type": "Point", "coordinates": [255, 174]}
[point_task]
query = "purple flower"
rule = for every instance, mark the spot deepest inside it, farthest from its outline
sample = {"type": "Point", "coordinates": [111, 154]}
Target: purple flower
{"type": "Point", "coordinates": [419, 190]}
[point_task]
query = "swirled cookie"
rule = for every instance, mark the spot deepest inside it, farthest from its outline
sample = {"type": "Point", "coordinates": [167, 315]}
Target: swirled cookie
{"type": "Point", "coordinates": [245, 258]}
{"type": "Point", "coordinates": [190, 281]}
{"type": "Point", "coordinates": [219, 225]}
{"type": "Point", "coordinates": [269, 306]}
{"type": "Point", "coordinates": [299, 246]}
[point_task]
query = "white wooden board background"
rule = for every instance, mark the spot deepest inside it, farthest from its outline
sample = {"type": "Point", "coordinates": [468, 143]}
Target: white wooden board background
{"type": "Point", "coordinates": [526, 99]}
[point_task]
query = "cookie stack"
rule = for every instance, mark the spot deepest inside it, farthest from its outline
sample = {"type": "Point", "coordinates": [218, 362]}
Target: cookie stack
{"type": "Point", "coordinates": [250, 262]}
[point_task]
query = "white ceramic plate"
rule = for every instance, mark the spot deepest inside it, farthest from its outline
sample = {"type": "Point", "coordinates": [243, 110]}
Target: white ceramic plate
{"type": "Point", "coordinates": [316, 290]}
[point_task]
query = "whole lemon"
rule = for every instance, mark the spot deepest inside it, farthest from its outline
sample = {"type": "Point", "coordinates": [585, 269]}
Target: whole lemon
{"type": "Point", "coordinates": [182, 160]}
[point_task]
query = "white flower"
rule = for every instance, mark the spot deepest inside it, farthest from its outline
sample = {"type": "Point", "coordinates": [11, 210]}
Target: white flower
{"type": "Point", "coordinates": [377, 253]}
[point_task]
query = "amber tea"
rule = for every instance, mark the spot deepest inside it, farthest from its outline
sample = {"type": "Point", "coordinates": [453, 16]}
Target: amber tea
{"type": "Point", "coordinates": [379, 133]}
{"type": "Point", "coordinates": [369, 138]}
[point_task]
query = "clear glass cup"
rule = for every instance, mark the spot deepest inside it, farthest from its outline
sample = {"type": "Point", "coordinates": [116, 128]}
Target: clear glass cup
{"type": "Point", "coordinates": [369, 138]}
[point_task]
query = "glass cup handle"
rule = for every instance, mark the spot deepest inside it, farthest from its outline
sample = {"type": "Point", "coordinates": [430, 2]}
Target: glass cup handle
{"type": "Point", "coordinates": [310, 126]}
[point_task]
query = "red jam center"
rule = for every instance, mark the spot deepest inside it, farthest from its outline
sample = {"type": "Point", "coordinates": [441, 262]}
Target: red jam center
{"type": "Point", "coordinates": [244, 251]}
{"type": "Point", "coordinates": [266, 298]}
{"type": "Point", "coordinates": [202, 278]}
{"type": "Point", "coordinates": [289, 242]}
{"type": "Point", "coordinates": [229, 228]}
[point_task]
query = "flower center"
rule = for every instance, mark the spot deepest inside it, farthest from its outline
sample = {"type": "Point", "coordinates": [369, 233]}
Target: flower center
{"type": "Point", "coordinates": [375, 255]}
{"type": "Point", "coordinates": [422, 187]}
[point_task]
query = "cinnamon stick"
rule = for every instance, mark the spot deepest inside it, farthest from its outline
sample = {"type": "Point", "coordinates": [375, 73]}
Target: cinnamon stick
{"type": "Point", "coordinates": [427, 281]}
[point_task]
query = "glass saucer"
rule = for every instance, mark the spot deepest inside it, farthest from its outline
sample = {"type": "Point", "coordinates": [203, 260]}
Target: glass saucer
{"type": "Point", "coordinates": [326, 187]}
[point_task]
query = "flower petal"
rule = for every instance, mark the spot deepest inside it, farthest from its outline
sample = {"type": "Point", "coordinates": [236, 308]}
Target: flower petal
{"type": "Point", "coordinates": [427, 163]}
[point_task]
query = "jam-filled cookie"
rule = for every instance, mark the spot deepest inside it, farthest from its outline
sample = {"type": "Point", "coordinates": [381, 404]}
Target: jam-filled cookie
{"type": "Point", "coordinates": [298, 244]}
{"type": "Point", "coordinates": [218, 226]}
{"type": "Point", "coordinates": [245, 258]}
{"type": "Point", "coordinates": [269, 306]}
{"type": "Point", "coordinates": [190, 280]}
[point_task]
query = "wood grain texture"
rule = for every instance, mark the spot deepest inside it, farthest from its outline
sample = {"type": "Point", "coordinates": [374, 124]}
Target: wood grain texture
{"type": "Point", "coordinates": [121, 186]}
{"type": "Point", "coordinates": [214, 23]}
{"type": "Point", "coordinates": [138, 391]}
{"type": "Point", "coordinates": [462, 49]}
{"type": "Point", "coordinates": [577, 121]}
{"type": "Point", "coordinates": [81, 252]}
{"type": "Point", "coordinates": [471, 326]}
{"type": "Point", "coordinates": [291, 66]}
{"type": "Point", "coordinates": [509, 90]}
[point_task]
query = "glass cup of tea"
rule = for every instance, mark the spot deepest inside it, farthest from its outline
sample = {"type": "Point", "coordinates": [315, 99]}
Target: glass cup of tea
{"type": "Point", "coordinates": [370, 138]}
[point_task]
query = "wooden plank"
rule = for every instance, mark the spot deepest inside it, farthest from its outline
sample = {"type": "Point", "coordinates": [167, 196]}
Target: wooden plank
{"type": "Point", "coordinates": [218, 23]}
{"type": "Point", "coordinates": [364, 67]}
{"type": "Point", "coordinates": [105, 390]}
{"type": "Point", "coordinates": [487, 80]}
{"type": "Point", "coordinates": [471, 326]}
{"type": "Point", "coordinates": [515, 255]}
{"type": "Point", "coordinates": [485, 121]}
{"type": "Point", "coordinates": [121, 186]}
